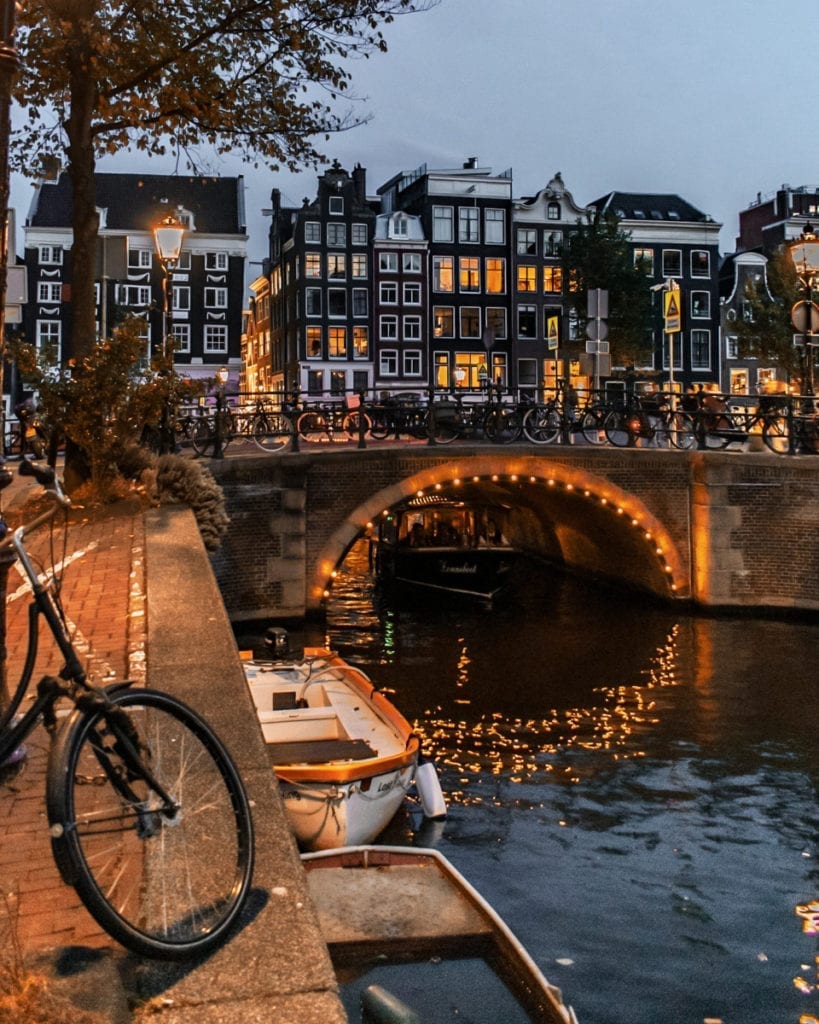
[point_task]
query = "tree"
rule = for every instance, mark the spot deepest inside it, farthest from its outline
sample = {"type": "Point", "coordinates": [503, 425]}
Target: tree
{"type": "Point", "coordinates": [258, 77]}
{"type": "Point", "coordinates": [765, 331]}
{"type": "Point", "coordinates": [598, 254]}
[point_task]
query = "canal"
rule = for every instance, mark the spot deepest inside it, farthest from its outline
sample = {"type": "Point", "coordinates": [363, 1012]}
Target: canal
{"type": "Point", "coordinates": [633, 788]}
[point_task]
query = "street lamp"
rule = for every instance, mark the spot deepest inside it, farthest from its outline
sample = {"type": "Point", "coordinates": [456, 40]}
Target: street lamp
{"type": "Point", "coordinates": [168, 235]}
{"type": "Point", "coordinates": [218, 440]}
{"type": "Point", "coordinates": [805, 315]}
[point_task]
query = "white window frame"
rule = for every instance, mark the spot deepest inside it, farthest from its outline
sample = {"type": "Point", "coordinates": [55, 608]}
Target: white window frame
{"type": "Point", "coordinates": [667, 253]}
{"type": "Point", "coordinates": [336, 205]}
{"type": "Point", "coordinates": [698, 274]}
{"type": "Point", "coordinates": [337, 235]}
{"type": "Point", "coordinates": [216, 297]}
{"type": "Point", "coordinates": [443, 224]}
{"type": "Point", "coordinates": [140, 259]}
{"type": "Point", "coordinates": [312, 301]}
{"type": "Point", "coordinates": [469, 225]}
{"type": "Point", "coordinates": [412, 362]}
{"type": "Point", "coordinates": [51, 255]}
{"type": "Point", "coordinates": [50, 293]}
{"type": "Point", "coordinates": [388, 262]}
{"type": "Point", "coordinates": [138, 295]}
{"type": "Point", "coordinates": [358, 266]}
{"type": "Point", "coordinates": [181, 334]}
{"type": "Point", "coordinates": [388, 327]}
{"type": "Point", "coordinates": [361, 298]}
{"type": "Point", "coordinates": [49, 333]}
{"type": "Point", "coordinates": [334, 293]}
{"type": "Point", "coordinates": [215, 339]}
{"type": "Point", "coordinates": [412, 293]}
{"type": "Point", "coordinates": [526, 242]}
{"type": "Point", "coordinates": [358, 234]}
{"type": "Point", "coordinates": [412, 328]}
{"type": "Point", "coordinates": [180, 298]}
{"type": "Point", "coordinates": [388, 293]}
{"type": "Point", "coordinates": [312, 232]}
{"type": "Point", "coordinates": [217, 261]}
{"type": "Point", "coordinates": [707, 304]}
{"type": "Point", "coordinates": [412, 262]}
{"type": "Point", "coordinates": [494, 226]}
{"type": "Point", "coordinates": [707, 338]}
{"type": "Point", "coordinates": [388, 362]}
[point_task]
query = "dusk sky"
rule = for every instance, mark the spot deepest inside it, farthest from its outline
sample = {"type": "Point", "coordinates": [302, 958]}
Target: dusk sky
{"type": "Point", "coordinates": [711, 99]}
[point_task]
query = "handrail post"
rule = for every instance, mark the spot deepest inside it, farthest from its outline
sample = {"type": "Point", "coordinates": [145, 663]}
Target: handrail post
{"type": "Point", "coordinates": [294, 417]}
{"type": "Point", "coordinates": [361, 417]}
{"type": "Point", "coordinates": [431, 417]}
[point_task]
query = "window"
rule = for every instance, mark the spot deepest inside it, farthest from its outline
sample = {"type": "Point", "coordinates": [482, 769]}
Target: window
{"type": "Point", "coordinates": [412, 263]}
{"type": "Point", "coordinates": [336, 302]}
{"type": "Point", "coordinates": [315, 382]}
{"type": "Point", "coordinates": [552, 243]}
{"type": "Point", "coordinates": [412, 328]}
{"type": "Point", "coordinates": [313, 342]}
{"type": "Point", "coordinates": [468, 224]}
{"type": "Point", "coordinates": [336, 265]}
{"type": "Point", "coordinates": [216, 338]}
{"type": "Point", "coordinates": [361, 343]}
{"type": "Point", "coordinates": [216, 298]}
{"type": "Point", "coordinates": [553, 211]}
{"type": "Point", "coordinates": [184, 261]}
{"type": "Point", "coordinates": [700, 350]}
{"type": "Point", "coordinates": [442, 230]}
{"type": "Point", "coordinates": [216, 261]}
{"type": "Point", "coordinates": [336, 205]}
{"type": "Point", "coordinates": [700, 263]}
{"type": "Point", "coordinates": [527, 374]}
{"type": "Point", "coordinates": [470, 321]}
{"type": "Point", "coordinates": [53, 254]}
{"type": "Point", "coordinates": [388, 328]}
{"type": "Point", "coordinates": [644, 261]}
{"type": "Point", "coordinates": [700, 304]}
{"type": "Point", "coordinates": [359, 264]}
{"type": "Point", "coordinates": [312, 301]}
{"type": "Point", "coordinates": [412, 363]}
{"type": "Point", "coordinates": [496, 320]}
{"type": "Point", "coordinates": [358, 234]}
{"type": "Point", "coordinates": [527, 321]}
{"type": "Point", "coordinates": [312, 265]}
{"type": "Point", "coordinates": [443, 273]}
{"type": "Point", "coordinates": [388, 262]}
{"type": "Point", "coordinates": [181, 335]}
{"type": "Point", "coordinates": [388, 363]}
{"type": "Point", "coordinates": [48, 333]}
{"type": "Point", "coordinates": [180, 297]}
{"type": "Point", "coordinates": [337, 342]}
{"type": "Point", "coordinates": [140, 259]}
{"type": "Point", "coordinates": [527, 279]}
{"type": "Point", "coordinates": [130, 295]}
{"type": "Point", "coordinates": [388, 293]}
{"type": "Point", "coordinates": [412, 293]}
{"type": "Point", "coordinates": [443, 321]}
{"type": "Point", "coordinates": [312, 231]}
{"type": "Point", "coordinates": [731, 346]}
{"type": "Point", "coordinates": [399, 226]}
{"type": "Point", "coordinates": [494, 227]}
{"type": "Point", "coordinates": [360, 302]}
{"type": "Point", "coordinates": [469, 274]}
{"type": "Point", "coordinates": [552, 280]}
{"type": "Point", "coordinates": [338, 382]}
{"type": "Point", "coordinates": [527, 242]}
{"type": "Point", "coordinates": [51, 292]}
{"type": "Point", "coordinates": [495, 276]}
{"type": "Point", "coordinates": [337, 235]}
{"type": "Point", "coordinates": [672, 263]}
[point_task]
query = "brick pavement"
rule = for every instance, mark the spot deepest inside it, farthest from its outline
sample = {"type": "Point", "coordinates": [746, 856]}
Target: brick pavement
{"type": "Point", "coordinates": [103, 594]}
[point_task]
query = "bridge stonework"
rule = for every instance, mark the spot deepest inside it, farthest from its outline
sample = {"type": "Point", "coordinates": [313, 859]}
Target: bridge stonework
{"type": "Point", "coordinates": [721, 530]}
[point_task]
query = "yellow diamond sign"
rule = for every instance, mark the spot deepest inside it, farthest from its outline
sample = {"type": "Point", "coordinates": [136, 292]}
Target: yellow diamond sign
{"type": "Point", "coordinates": [672, 310]}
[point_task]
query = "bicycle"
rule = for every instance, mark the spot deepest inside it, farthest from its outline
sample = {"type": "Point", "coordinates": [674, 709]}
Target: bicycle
{"type": "Point", "coordinates": [221, 427]}
{"type": "Point", "coordinates": [148, 817]}
{"type": "Point", "coordinates": [398, 415]}
{"type": "Point", "coordinates": [331, 421]}
{"type": "Point", "coordinates": [626, 425]}
{"type": "Point", "coordinates": [797, 433]}
{"type": "Point", "coordinates": [451, 418]}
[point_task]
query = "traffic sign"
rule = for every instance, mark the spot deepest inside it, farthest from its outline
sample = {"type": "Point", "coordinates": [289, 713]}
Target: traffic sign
{"type": "Point", "coordinates": [597, 330]}
{"type": "Point", "coordinates": [672, 310]}
{"type": "Point", "coordinates": [552, 332]}
{"type": "Point", "coordinates": [600, 347]}
{"type": "Point", "coordinates": [805, 317]}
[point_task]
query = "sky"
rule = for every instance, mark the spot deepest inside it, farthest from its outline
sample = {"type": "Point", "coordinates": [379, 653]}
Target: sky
{"type": "Point", "coordinates": [708, 99]}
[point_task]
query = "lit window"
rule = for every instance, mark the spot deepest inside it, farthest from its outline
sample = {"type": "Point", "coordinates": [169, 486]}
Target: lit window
{"type": "Point", "coordinates": [312, 265]}
{"type": "Point", "coordinates": [443, 321]}
{"type": "Point", "coordinates": [443, 274]}
{"type": "Point", "coordinates": [469, 274]}
{"type": "Point", "coordinates": [336, 265]}
{"type": "Point", "coordinates": [527, 279]}
{"type": "Point", "coordinates": [361, 343]}
{"type": "Point", "coordinates": [495, 276]}
{"type": "Point", "coordinates": [337, 342]}
{"type": "Point", "coordinates": [359, 264]}
{"type": "Point", "coordinates": [313, 342]}
{"type": "Point", "coordinates": [552, 280]}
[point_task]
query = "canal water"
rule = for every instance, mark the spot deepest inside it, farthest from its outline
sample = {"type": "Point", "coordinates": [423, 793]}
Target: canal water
{"type": "Point", "coordinates": [634, 789]}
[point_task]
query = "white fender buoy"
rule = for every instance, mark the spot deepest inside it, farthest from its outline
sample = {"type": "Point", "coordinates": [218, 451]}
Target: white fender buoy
{"type": "Point", "coordinates": [429, 790]}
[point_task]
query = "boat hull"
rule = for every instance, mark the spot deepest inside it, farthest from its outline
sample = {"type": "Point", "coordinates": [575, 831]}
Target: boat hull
{"type": "Point", "coordinates": [479, 573]}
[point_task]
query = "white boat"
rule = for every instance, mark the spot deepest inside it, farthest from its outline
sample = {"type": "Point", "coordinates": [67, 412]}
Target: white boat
{"type": "Point", "coordinates": [409, 935]}
{"type": "Point", "coordinates": [344, 756]}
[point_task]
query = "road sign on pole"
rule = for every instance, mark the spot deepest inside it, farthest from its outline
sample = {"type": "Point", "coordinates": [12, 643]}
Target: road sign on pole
{"type": "Point", "coordinates": [672, 310]}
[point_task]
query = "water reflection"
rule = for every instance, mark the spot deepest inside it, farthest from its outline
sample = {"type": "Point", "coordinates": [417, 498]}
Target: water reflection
{"type": "Point", "coordinates": [634, 790]}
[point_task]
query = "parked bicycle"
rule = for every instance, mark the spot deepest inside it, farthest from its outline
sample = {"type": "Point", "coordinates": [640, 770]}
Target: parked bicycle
{"type": "Point", "coordinates": [796, 433]}
{"type": "Point", "coordinates": [660, 426]}
{"type": "Point", "coordinates": [557, 419]}
{"type": "Point", "coordinates": [332, 421]}
{"type": "Point", "coordinates": [451, 418]}
{"type": "Point", "coordinates": [397, 415]}
{"type": "Point", "coordinates": [148, 816]}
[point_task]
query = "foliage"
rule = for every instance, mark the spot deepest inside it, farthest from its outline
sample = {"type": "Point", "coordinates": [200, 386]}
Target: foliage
{"type": "Point", "coordinates": [102, 403]}
{"type": "Point", "coordinates": [191, 483]}
{"type": "Point", "coordinates": [765, 331]}
{"type": "Point", "coordinates": [598, 254]}
{"type": "Point", "coordinates": [256, 77]}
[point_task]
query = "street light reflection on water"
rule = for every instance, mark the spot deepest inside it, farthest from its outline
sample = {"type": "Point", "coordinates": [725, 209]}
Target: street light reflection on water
{"type": "Point", "coordinates": [634, 789]}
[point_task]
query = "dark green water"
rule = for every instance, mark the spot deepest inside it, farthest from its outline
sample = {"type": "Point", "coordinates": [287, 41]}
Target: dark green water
{"type": "Point", "coordinates": [635, 791]}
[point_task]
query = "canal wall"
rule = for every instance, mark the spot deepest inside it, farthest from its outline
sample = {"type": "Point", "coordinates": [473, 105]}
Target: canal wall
{"type": "Point", "coordinates": [719, 530]}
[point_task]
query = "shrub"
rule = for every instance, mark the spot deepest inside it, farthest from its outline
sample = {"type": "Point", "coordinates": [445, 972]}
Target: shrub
{"type": "Point", "coordinates": [190, 483]}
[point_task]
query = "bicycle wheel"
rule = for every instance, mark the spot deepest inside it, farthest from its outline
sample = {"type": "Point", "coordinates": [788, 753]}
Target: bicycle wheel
{"type": "Point", "coordinates": [203, 436]}
{"type": "Point", "coordinates": [775, 435]}
{"type": "Point", "coordinates": [312, 426]}
{"type": "Point", "coordinates": [167, 886]}
{"type": "Point", "coordinates": [591, 426]}
{"type": "Point", "coordinates": [272, 432]}
{"type": "Point", "coordinates": [503, 426]}
{"type": "Point", "coordinates": [681, 431]}
{"type": "Point", "coordinates": [616, 429]}
{"type": "Point", "coordinates": [541, 424]}
{"type": "Point", "coordinates": [442, 426]}
{"type": "Point", "coordinates": [353, 422]}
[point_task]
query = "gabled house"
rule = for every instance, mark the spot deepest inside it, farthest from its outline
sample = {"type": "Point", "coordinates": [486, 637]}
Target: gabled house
{"type": "Point", "coordinates": [205, 288]}
{"type": "Point", "coordinates": [742, 376]}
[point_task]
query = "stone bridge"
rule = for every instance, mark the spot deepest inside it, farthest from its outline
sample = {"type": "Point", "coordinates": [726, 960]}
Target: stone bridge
{"type": "Point", "coordinates": [717, 530]}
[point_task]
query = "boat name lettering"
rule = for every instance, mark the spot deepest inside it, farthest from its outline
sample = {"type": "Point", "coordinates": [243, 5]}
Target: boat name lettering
{"type": "Point", "coordinates": [465, 569]}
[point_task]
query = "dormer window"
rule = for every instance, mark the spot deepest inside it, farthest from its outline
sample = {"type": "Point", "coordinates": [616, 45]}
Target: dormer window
{"type": "Point", "coordinates": [553, 211]}
{"type": "Point", "coordinates": [400, 225]}
{"type": "Point", "coordinates": [336, 205]}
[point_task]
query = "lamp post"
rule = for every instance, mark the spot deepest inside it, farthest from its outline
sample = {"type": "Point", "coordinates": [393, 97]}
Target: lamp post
{"type": "Point", "coordinates": [9, 66]}
{"type": "Point", "coordinates": [168, 235]}
{"type": "Point", "coordinates": [805, 315]}
{"type": "Point", "coordinates": [221, 381]}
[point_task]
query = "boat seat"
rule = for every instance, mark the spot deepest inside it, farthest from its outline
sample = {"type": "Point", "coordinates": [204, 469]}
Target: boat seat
{"type": "Point", "coordinates": [319, 751]}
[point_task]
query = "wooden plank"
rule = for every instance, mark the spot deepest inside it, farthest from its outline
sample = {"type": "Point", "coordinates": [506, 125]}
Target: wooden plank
{"type": "Point", "coordinates": [319, 751]}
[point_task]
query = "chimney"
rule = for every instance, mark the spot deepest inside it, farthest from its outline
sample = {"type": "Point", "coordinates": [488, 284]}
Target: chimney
{"type": "Point", "coordinates": [360, 183]}
{"type": "Point", "coordinates": [471, 164]}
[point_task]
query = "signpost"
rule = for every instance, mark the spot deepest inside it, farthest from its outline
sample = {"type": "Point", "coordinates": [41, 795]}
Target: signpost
{"type": "Point", "coordinates": [672, 313]}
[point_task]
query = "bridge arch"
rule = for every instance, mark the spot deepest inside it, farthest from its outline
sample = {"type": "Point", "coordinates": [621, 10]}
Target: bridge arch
{"type": "Point", "coordinates": [561, 512]}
